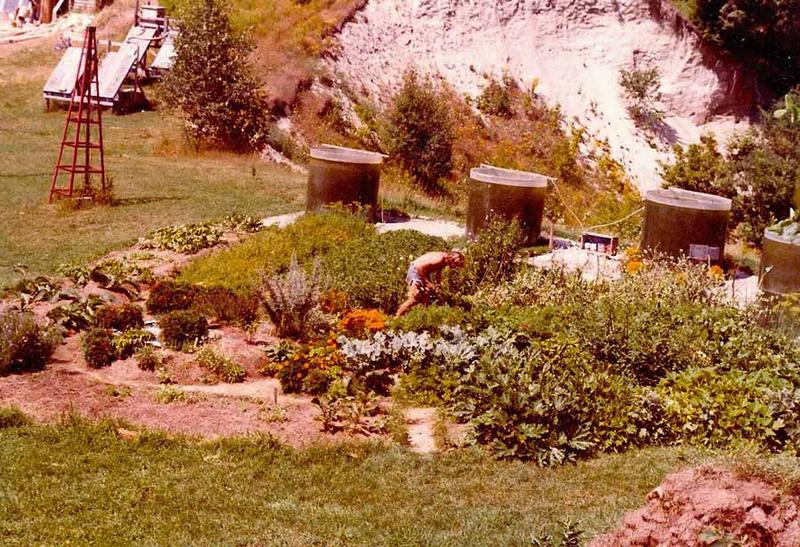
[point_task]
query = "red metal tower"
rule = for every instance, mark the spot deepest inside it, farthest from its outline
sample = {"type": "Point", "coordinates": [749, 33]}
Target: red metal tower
{"type": "Point", "coordinates": [84, 112]}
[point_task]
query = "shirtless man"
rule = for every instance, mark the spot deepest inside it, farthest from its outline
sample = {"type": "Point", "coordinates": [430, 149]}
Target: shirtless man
{"type": "Point", "coordinates": [419, 276]}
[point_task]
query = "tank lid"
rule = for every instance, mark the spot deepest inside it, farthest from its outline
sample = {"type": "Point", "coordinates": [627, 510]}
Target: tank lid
{"type": "Point", "coordinates": [678, 197]}
{"type": "Point", "coordinates": [329, 152]}
{"type": "Point", "coordinates": [508, 177]}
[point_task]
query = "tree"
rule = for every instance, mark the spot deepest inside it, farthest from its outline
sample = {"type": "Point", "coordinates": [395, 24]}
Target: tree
{"type": "Point", "coordinates": [641, 88]}
{"type": "Point", "coordinates": [211, 82]}
{"type": "Point", "coordinates": [420, 130]}
{"type": "Point", "coordinates": [699, 168]}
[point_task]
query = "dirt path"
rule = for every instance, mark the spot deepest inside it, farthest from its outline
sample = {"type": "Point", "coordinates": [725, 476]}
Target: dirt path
{"type": "Point", "coordinates": [420, 423]}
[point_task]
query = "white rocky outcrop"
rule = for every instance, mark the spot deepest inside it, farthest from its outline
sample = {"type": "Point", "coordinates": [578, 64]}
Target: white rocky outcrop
{"type": "Point", "coordinates": [574, 48]}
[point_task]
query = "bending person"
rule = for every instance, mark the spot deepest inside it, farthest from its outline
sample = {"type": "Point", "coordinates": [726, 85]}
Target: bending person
{"type": "Point", "coordinates": [420, 276]}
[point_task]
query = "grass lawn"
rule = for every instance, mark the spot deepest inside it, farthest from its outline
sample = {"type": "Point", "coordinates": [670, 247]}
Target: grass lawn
{"type": "Point", "coordinates": [155, 188]}
{"type": "Point", "coordinates": [79, 483]}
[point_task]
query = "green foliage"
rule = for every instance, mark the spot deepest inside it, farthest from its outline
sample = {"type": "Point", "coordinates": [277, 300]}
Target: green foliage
{"type": "Point", "coordinates": [371, 271]}
{"type": "Point", "coordinates": [39, 289]}
{"type": "Point", "coordinates": [220, 366]}
{"type": "Point", "coordinates": [430, 318]}
{"type": "Point", "coordinates": [567, 533]}
{"type": "Point", "coordinates": [719, 408]}
{"type": "Point", "coordinates": [241, 267]}
{"type": "Point", "coordinates": [186, 238]}
{"type": "Point", "coordinates": [183, 327]}
{"type": "Point", "coordinates": [420, 130]}
{"type": "Point", "coordinates": [77, 273]}
{"type": "Point", "coordinates": [121, 318]}
{"type": "Point", "coordinates": [699, 168]}
{"type": "Point", "coordinates": [148, 359]}
{"type": "Point", "coordinates": [168, 394]}
{"type": "Point", "coordinates": [131, 341]}
{"type": "Point", "coordinates": [489, 260]}
{"type": "Point", "coordinates": [641, 90]}
{"type": "Point", "coordinates": [763, 33]}
{"type": "Point", "coordinates": [227, 306]}
{"type": "Point", "coordinates": [240, 222]}
{"type": "Point", "coordinates": [495, 99]}
{"type": "Point", "coordinates": [98, 347]}
{"type": "Point", "coordinates": [168, 295]}
{"type": "Point", "coordinates": [24, 344]}
{"type": "Point", "coordinates": [292, 301]}
{"type": "Point", "coordinates": [76, 314]}
{"type": "Point", "coordinates": [211, 83]}
{"type": "Point", "coordinates": [12, 416]}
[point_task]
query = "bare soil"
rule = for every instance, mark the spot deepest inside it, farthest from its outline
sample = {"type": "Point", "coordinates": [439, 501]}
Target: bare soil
{"type": "Point", "coordinates": [694, 506]}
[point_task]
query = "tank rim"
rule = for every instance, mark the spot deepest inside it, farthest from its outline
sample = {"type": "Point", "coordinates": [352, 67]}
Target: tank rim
{"type": "Point", "coordinates": [341, 154]}
{"type": "Point", "coordinates": [775, 238]}
{"type": "Point", "coordinates": [508, 177]}
{"type": "Point", "coordinates": [687, 199]}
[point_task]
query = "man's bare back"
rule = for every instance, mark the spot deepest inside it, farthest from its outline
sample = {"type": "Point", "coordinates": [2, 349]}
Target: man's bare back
{"type": "Point", "coordinates": [421, 273]}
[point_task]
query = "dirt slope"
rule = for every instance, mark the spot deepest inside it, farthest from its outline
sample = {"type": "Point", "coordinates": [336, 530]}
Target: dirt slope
{"type": "Point", "coordinates": [574, 48]}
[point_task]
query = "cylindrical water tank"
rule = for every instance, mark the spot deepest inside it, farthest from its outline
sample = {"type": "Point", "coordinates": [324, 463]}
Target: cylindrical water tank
{"type": "Point", "coordinates": [343, 175]}
{"type": "Point", "coordinates": [683, 223]}
{"type": "Point", "coordinates": [780, 263]}
{"type": "Point", "coordinates": [508, 194]}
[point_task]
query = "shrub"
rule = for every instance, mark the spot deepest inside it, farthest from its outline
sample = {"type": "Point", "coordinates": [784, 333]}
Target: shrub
{"type": "Point", "coordinates": [76, 315]}
{"type": "Point", "coordinates": [360, 322]}
{"type": "Point", "coordinates": [489, 260]}
{"type": "Point", "coordinates": [227, 306]}
{"type": "Point", "coordinates": [121, 318]}
{"type": "Point", "coordinates": [181, 327]}
{"type": "Point", "coordinates": [148, 359]}
{"type": "Point", "coordinates": [12, 416]}
{"type": "Point", "coordinates": [495, 99]}
{"type": "Point", "coordinates": [292, 300]}
{"type": "Point", "coordinates": [219, 365]}
{"type": "Point", "coordinates": [641, 90]}
{"type": "Point", "coordinates": [24, 345]}
{"type": "Point", "coordinates": [217, 94]}
{"type": "Point", "coordinates": [169, 295]}
{"type": "Point", "coordinates": [311, 369]}
{"type": "Point", "coordinates": [421, 131]}
{"type": "Point", "coordinates": [131, 341]}
{"type": "Point", "coordinates": [98, 348]}
{"type": "Point", "coordinates": [371, 271]}
{"type": "Point", "coordinates": [187, 239]}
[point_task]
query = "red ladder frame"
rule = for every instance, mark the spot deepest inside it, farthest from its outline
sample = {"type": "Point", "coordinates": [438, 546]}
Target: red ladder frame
{"type": "Point", "coordinates": [84, 111]}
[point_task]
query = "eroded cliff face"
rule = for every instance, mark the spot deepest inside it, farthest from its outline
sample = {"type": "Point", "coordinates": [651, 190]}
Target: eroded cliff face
{"type": "Point", "coordinates": [575, 49]}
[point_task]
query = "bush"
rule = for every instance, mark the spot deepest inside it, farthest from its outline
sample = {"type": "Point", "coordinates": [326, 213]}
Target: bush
{"type": "Point", "coordinates": [186, 239]}
{"type": "Point", "coordinates": [219, 365]}
{"type": "Point", "coordinates": [430, 319]}
{"type": "Point", "coordinates": [121, 318]}
{"type": "Point", "coordinates": [131, 341]}
{"type": "Point", "coordinates": [24, 345]}
{"type": "Point", "coordinates": [216, 92]}
{"type": "Point", "coordinates": [148, 359]}
{"type": "Point", "coordinates": [169, 295]}
{"type": "Point", "coordinates": [98, 348]}
{"type": "Point", "coordinates": [241, 267]}
{"type": "Point", "coordinates": [371, 271]}
{"type": "Point", "coordinates": [495, 99]}
{"type": "Point", "coordinates": [292, 301]}
{"type": "Point", "coordinates": [311, 369]}
{"type": "Point", "coordinates": [76, 315]}
{"type": "Point", "coordinates": [181, 327]}
{"type": "Point", "coordinates": [360, 322]}
{"type": "Point", "coordinates": [421, 130]}
{"type": "Point", "coordinates": [12, 416]}
{"type": "Point", "coordinates": [641, 90]}
{"type": "Point", "coordinates": [227, 306]}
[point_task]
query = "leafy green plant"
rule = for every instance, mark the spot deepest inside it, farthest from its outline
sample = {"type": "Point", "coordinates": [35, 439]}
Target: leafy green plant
{"type": "Point", "coordinates": [292, 300]}
{"type": "Point", "coordinates": [183, 327]}
{"type": "Point", "coordinates": [641, 90]}
{"type": "Point", "coordinates": [120, 318]}
{"type": "Point", "coordinates": [168, 295]}
{"type": "Point", "coordinates": [430, 319]}
{"type": "Point", "coordinates": [12, 416]}
{"type": "Point", "coordinates": [227, 306]}
{"type": "Point", "coordinates": [131, 341]}
{"type": "Point", "coordinates": [169, 394]}
{"type": "Point", "coordinates": [186, 239]}
{"type": "Point", "coordinates": [371, 271]}
{"type": "Point", "coordinates": [78, 273]}
{"type": "Point", "coordinates": [24, 344]}
{"type": "Point", "coordinates": [220, 366]}
{"type": "Point", "coordinates": [420, 130]}
{"type": "Point", "coordinates": [148, 359]}
{"type": "Point", "coordinates": [240, 222]}
{"type": "Point", "coordinates": [76, 314]}
{"type": "Point", "coordinates": [495, 99]}
{"type": "Point", "coordinates": [98, 348]}
{"type": "Point", "coordinates": [39, 289]}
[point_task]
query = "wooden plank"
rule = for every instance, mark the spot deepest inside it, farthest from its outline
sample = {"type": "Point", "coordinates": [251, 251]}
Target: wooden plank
{"type": "Point", "coordinates": [114, 68]}
{"type": "Point", "coordinates": [142, 37]}
{"type": "Point", "coordinates": [165, 56]}
{"type": "Point", "coordinates": [62, 79]}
